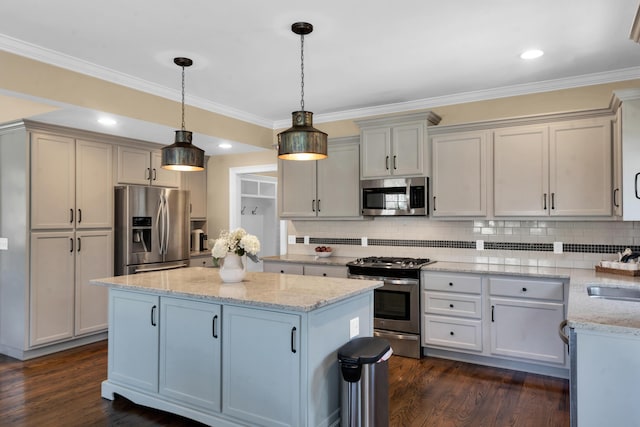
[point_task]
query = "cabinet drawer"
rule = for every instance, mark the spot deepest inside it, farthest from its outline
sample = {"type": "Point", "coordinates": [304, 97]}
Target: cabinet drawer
{"type": "Point", "coordinates": [526, 288]}
{"type": "Point", "coordinates": [325, 271]}
{"type": "Point", "coordinates": [451, 332]}
{"type": "Point", "coordinates": [283, 267]}
{"type": "Point", "coordinates": [453, 304]}
{"type": "Point", "coordinates": [452, 283]}
{"type": "Point", "coordinates": [201, 262]}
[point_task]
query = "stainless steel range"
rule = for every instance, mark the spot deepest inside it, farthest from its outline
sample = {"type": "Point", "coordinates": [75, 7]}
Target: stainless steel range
{"type": "Point", "coordinates": [397, 302]}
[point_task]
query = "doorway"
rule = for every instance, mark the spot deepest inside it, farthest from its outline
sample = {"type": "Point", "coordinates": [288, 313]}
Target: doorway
{"type": "Point", "coordinates": [253, 206]}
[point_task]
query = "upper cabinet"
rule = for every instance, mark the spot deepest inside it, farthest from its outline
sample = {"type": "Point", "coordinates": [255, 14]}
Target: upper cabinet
{"type": "Point", "coordinates": [459, 174]}
{"type": "Point", "coordinates": [71, 183]}
{"type": "Point", "coordinates": [627, 154]}
{"type": "Point", "coordinates": [142, 167]}
{"type": "Point", "coordinates": [561, 169]}
{"type": "Point", "coordinates": [196, 183]}
{"type": "Point", "coordinates": [328, 188]}
{"type": "Point", "coordinates": [395, 146]}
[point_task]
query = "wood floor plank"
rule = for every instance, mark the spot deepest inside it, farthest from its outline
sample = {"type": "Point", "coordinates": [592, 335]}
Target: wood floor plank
{"type": "Point", "coordinates": [64, 390]}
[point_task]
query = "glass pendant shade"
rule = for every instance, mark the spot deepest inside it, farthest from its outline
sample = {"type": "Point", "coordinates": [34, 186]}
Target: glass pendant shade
{"type": "Point", "coordinates": [302, 141]}
{"type": "Point", "coordinates": [182, 155]}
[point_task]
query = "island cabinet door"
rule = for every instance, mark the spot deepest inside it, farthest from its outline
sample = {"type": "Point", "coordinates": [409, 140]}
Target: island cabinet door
{"type": "Point", "coordinates": [190, 339]}
{"type": "Point", "coordinates": [261, 366]}
{"type": "Point", "coordinates": [133, 339]}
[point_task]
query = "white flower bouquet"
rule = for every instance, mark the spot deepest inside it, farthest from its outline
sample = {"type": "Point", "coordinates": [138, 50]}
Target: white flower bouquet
{"type": "Point", "coordinates": [237, 241]}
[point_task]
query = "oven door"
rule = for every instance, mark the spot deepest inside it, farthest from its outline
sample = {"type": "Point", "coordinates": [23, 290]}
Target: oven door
{"type": "Point", "coordinates": [397, 306]}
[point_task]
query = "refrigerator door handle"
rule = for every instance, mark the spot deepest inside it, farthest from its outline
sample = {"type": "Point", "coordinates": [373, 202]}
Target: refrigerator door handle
{"type": "Point", "coordinates": [168, 225]}
{"type": "Point", "coordinates": [159, 223]}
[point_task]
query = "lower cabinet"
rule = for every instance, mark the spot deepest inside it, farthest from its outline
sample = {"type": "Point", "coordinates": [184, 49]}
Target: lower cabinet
{"type": "Point", "coordinates": [261, 375]}
{"type": "Point", "coordinates": [495, 317]}
{"type": "Point", "coordinates": [306, 269]}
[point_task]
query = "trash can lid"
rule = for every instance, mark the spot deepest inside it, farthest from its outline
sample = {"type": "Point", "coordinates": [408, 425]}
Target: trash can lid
{"type": "Point", "coordinates": [364, 350]}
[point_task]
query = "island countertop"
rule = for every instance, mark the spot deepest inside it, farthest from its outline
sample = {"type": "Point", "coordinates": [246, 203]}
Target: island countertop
{"type": "Point", "coordinates": [268, 290]}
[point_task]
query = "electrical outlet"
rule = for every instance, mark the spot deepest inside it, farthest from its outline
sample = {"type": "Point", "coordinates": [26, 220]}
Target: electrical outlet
{"type": "Point", "coordinates": [4, 244]}
{"type": "Point", "coordinates": [364, 241]}
{"type": "Point", "coordinates": [354, 327]}
{"type": "Point", "coordinates": [557, 247]}
{"type": "Point", "coordinates": [480, 245]}
{"type": "Point", "coordinates": [306, 240]}
{"type": "Point", "coordinates": [291, 239]}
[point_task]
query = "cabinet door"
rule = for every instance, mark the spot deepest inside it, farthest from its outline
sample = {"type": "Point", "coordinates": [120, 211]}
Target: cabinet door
{"type": "Point", "coordinates": [375, 151]}
{"type": "Point", "coordinates": [163, 177]}
{"type": "Point", "coordinates": [94, 185]}
{"type": "Point", "coordinates": [459, 174]}
{"type": "Point", "coordinates": [631, 159]}
{"type": "Point", "coordinates": [134, 339]}
{"type": "Point", "coordinates": [521, 171]}
{"type": "Point", "coordinates": [196, 183]}
{"type": "Point", "coordinates": [527, 329]}
{"type": "Point", "coordinates": [580, 167]}
{"type": "Point", "coordinates": [190, 337]}
{"type": "Point", "coordinates": [297, 189]}
{"type": "Point", "coordinates": [52, 182]}
{"type": "Point", "coordinates": [339, 182]}
{"type": "Point", "coordinates": [407, 152]}
{"type": "Point", "coordinates": [94, 259]}
{"type": "Point", "coordinates": [134, 166]}
{"type": "Point", "coordinates": [52, 287]}
{"type": "Point", "coordinates": [261, 387]}
{"type": "Point", "coordinates": [617, 164]}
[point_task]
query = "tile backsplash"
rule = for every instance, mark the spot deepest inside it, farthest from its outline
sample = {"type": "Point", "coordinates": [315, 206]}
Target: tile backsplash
{"type": "Point", "coordinates": [512, 242]}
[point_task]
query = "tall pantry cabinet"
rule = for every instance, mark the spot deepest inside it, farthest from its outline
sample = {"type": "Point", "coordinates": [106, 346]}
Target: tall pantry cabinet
{"type": "Point", "coordinates": [56, 193]}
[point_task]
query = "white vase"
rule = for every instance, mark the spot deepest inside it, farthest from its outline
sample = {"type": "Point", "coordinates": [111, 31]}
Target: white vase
{"type": "Point", "coordinates": [234, 268]}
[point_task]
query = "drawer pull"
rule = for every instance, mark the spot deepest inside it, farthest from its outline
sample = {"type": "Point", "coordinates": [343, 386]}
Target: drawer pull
{"type": "Point", "coordinates": [450, 305]}
{"type": "Point", "coordinates": [324, 274]}
{"type": "Point", "coordinates": [451, 333]}
{"type": "Point", "coordinates": [524, 289]}
{"type": "Point", "coordinates": [450, 283]}
{"type": "Point", "coordinates": [282, 271]}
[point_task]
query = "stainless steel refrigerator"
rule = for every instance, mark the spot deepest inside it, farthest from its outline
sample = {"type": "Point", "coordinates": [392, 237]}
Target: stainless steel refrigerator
{"type": "Point", "coordinates": [151, 229]}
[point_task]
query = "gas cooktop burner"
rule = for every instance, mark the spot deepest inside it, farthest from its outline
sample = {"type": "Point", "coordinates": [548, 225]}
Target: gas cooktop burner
{"type": "Point", "coordinates": [391, 262]}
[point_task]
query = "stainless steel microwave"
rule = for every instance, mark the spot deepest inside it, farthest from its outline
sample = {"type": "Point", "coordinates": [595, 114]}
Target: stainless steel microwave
{"type": "Point", "coordinates": [395, 196]}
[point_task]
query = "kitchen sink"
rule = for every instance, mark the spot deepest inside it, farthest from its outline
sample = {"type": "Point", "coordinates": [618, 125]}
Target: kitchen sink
{"type": "Point", "coordinates": [607, 292]}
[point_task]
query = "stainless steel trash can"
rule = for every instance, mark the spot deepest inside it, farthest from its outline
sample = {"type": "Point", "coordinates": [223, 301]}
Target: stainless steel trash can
{"type": "Point", "coordinates": [365, 382]}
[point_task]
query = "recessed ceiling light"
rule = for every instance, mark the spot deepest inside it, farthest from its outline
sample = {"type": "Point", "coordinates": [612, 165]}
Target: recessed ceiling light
{"type": "Point", "coordinates": [532, 54]}
{"type": "Point", "coordinates": [224, 145]}
{"type": "Point", "coordinates": [107, 121]}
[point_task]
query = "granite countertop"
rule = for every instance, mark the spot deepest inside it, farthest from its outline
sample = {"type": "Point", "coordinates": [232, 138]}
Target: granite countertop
{"type": "Point", "coordinates": [583, 311]}
{"type": "Point", "coordinates": [268, 290]}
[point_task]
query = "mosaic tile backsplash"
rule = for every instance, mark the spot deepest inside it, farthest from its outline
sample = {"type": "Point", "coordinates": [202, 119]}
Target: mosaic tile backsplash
{"type": "Point", "coordinates": [530, 243]}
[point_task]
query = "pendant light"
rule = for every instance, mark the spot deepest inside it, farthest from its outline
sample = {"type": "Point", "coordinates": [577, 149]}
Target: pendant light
{"type": "Point", "coordinates": [182, 155]}
{"type": "Point", "coordinates": [302, 141]}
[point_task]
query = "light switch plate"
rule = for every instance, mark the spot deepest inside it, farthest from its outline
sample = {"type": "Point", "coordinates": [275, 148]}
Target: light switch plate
{"type": "Point", "coordinates": [557, 247]}
{"type": "Point", "coordinates": [291, 239]}
{"type": "Point", "coordinates": [480, 245]}
{"type": "Point", "coordinates": [306, 240]}
{"type": "Point", "coordinates": [364, 241]}
{"type": "Point", "coordinates": [4, 244]}
{"type": "Point", "coordinates": [354, 327]}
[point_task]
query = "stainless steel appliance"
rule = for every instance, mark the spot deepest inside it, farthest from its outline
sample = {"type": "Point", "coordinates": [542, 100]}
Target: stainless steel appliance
{"type": "Point", "coordinates": [397, 302]}
{"type": "Point", "coordinates": [151, 229]}
{"type": "Point", "coordinates": [395, 196]}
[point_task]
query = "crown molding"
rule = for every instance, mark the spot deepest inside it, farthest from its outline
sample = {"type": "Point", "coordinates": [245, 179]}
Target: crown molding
{"type": "Point", "coordinates": [71, 63]}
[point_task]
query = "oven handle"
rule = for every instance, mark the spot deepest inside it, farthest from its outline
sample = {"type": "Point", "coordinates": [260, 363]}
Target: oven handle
{"type": "Point", "coordinates": [386, 280]}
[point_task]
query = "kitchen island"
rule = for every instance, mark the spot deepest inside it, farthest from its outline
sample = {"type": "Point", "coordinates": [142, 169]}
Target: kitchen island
{"type": "Point", "coordinates": [260, 352]}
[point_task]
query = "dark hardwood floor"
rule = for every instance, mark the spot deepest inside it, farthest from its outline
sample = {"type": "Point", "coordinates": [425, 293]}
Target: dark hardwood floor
{"type": "Point", "coordinates": [64, 390]}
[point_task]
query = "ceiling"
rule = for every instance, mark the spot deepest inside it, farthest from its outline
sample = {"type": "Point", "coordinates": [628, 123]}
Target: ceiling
{"type": "Point", "coordinates": [363, 57]}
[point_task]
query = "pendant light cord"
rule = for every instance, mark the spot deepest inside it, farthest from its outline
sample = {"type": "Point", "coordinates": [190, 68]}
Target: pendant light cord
{"type": "Point", "coordinates": [302, 72]}
{"type": "Point", "coordinates": [183, 98]}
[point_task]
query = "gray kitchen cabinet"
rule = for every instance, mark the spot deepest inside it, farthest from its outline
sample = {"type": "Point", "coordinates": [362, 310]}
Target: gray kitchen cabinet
{"type": "Point", "coordinates": [328, 188]}
{"type": "Point", "coordinates": [525, 315]}
{"type": "Point", "coordinates": [261, 387]}
{"type": "Point", "coordinates": [556, 169]}
{"type": "Point", "coordinates": [134, 339]}
{"type": "Point", "coordinates": [460, 174]}
{"type": "Point", "coordinates": [143, 167]}
{"type": "Point", "coordinates": [196, 183]}
{"type": "Point", "coordinates": [306, 269]}
{"type": "Point", "coordinates": [283, 268]}
{"type": "Point", "coordinates": [201, 261]}
{"type": "Point", "coordinates": [190, 352]}
{"type": "Point", "coordinates": [626, 189]}
{"type": "Point", "coordinates": [72, 183]}
{"type": "Point", "coordinates": [395, 146]}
